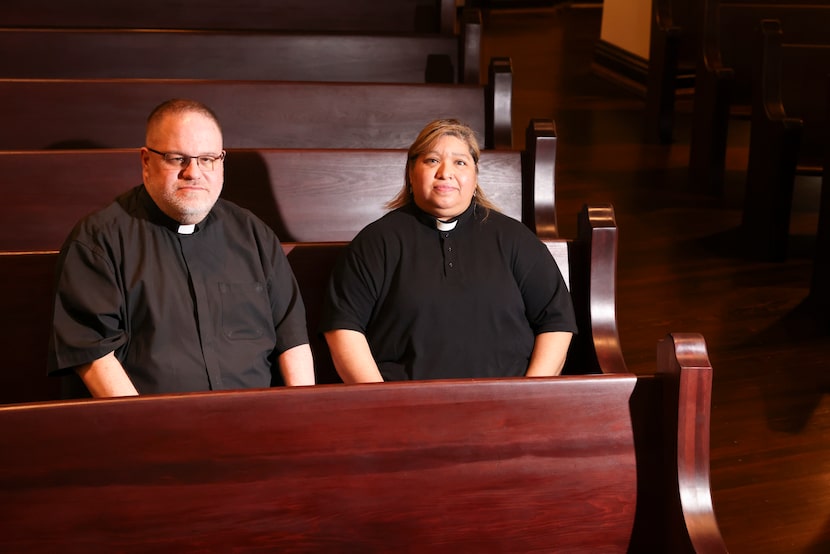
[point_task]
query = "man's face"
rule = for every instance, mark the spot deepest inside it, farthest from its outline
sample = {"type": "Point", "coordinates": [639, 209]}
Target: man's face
{"type": "Point", "coordinates": [186, 193]}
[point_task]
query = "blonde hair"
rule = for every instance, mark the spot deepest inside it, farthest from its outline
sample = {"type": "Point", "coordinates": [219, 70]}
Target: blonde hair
{"type": "Point", "coordinates": [424, 142]}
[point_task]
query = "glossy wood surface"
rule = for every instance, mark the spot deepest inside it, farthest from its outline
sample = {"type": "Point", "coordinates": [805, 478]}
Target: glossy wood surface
{"type": "Point", "coordinates": [192, 54]}
{"type": "Point", "coordinates": [110, 113]}
{"type": "Point", "coordinates": [681, 269]}
{"type": "Point", "coordinates": [304, 195]}
{"type": "Point", "coordinates": [511, 465]}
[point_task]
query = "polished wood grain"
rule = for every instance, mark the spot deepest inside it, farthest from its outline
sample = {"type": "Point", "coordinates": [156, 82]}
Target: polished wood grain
{"type": "Point", "coordinates": [681, 269]}
{"type": "Point", "coordinates": [111, 113]}
{"type": "Point", "coordinates": [306, 195]}
{"type": "Point", "coordinates": [197, 54]}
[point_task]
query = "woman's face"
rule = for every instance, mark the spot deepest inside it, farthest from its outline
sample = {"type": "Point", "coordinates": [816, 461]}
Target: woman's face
{"type": "Point", "coordinates": [444, 178]}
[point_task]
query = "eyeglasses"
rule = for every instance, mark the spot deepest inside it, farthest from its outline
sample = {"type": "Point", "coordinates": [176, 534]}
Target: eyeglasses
{"type": "Point", "coordinates": [180, 161]}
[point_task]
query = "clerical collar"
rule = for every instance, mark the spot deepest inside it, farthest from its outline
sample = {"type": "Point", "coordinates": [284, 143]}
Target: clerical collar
{"type": "Point", "coordinates": [446, 225]}
{"type": "Point", "coordinates": [186, 229]}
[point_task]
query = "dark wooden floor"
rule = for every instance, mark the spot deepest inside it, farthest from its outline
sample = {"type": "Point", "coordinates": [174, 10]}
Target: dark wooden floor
{"type": "Point", "coordinates": [680, 269]}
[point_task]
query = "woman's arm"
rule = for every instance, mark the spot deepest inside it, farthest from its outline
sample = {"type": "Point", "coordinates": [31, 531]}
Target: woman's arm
{"type": "Point", "coordinates": [352, 357]}
{"type": "Point", "coordinates": [549, 352]}
{"type": "Point", "coordinates": [106, 377]}
{"type": "Point", "coordinates": [297, 366]}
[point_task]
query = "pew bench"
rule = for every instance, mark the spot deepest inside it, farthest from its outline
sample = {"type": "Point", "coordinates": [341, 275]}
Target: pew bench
{"type": "Point", "coordinates": [596, 463]}
{"type": "Point", "coordinates": [399, 16]}
{"type": "Point", "coordinates": [49, 53]}
{"type": "Point", "coordinates": [306, 195]}
{"type": "Point", "coordinates": [588, 265]}
{"type": "Point", "coordinates": [112, 113]}
{"type": "Point", "coordinates": [723, 82]}
{"type": "Point", "coordinates": [788, 134]}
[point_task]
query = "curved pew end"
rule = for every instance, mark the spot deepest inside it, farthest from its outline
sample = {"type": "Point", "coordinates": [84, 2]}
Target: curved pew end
{"type": "Point", "coordinates": [682, 359]}
{"type": "Point", "coordinates": [593, 279]}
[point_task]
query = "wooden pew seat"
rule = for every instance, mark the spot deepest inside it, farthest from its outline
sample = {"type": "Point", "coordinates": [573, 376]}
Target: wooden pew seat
{"type": "Point", "coordinates": [111, 113]}
{"type": "Point", "coordinates": [52, 53]}
{"type": "Point", "coordinates": [588, 264]}
{"type": "Point", "coordinates": [399, 16]}
{"type": "Point", "coordinates": [500, 465]}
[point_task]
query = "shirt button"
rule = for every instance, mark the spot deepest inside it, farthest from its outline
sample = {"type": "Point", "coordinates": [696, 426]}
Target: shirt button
{"type": "Point", "coordinates": [450, 264]}
{"type": "Point", "coordinates": [449, 249]}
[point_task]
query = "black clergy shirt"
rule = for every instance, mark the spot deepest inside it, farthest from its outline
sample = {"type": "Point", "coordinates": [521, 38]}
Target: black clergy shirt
{"type": "Point", "coordinates": [183, 312]}
{"type": "Point", "coordinates": [466, 302]}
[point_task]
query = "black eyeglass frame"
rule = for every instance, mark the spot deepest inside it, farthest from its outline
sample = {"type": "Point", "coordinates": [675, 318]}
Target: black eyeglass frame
{"type": "Point", "coordinates": [170, 159]}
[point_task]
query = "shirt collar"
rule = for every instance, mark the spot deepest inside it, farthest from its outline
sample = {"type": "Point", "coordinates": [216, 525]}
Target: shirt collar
{"type": "Point", "coordinates": [445, 225]}
{"type": "Point", "coordinates": [158, 217]}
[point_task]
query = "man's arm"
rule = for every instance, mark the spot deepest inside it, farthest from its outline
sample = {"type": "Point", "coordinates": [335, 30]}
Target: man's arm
{"type": "Point", "coordinates": [549, 353]}
{"type": "Point", "coordinates": [352, 356]}
{"type": "Point", "coordinates": [106, 377]}
{"type": "Point", "coordinates": [297, 366]}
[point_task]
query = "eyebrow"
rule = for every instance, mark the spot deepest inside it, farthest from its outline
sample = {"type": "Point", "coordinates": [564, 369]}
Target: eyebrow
{"type": "Point", "coordinates": [452, 154]}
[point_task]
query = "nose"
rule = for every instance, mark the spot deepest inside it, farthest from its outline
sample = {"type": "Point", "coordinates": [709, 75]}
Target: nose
{"type": "Point", "coordinates": [444, 170]}
{"type": "Point", "coordinates": [191, 170]}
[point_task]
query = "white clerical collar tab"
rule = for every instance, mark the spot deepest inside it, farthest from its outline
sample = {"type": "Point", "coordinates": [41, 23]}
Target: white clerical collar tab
{"type": "Point", "coordinates": [186, 229]}
{"type": "Point", "coordinates": [446, 225]}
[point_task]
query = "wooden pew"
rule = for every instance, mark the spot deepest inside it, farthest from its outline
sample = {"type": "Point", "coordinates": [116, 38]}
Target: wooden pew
{"type": "Point", "coordinates": [671, 65]}
{"type": "Point", "coordinates": [399, 16]}
{"type": "Point", "coordinates": [304, 195]}
{"type": "Point", "coordinates": [111, 113]}
{"type": "Point", "coordinates": [788, 135]}
{"type": "Point", "coordinates": [48, 53]}
{"type": "Point", "coordinates": [723, 81]}
{"type": "Point", "coordinates": [588, 264]}
{"type": "Point", "coordinates": [598, 463]}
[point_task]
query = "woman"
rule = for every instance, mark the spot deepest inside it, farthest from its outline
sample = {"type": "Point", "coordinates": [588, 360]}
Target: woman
{"type": "Point", "coordinates": [445, 286]}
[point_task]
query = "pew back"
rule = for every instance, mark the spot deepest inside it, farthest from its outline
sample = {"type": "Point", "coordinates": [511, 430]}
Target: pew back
{"type": "Point", "coordinates": [304, 195]}
{"type": "Point", "coordinates": [570, 464]}
{"type": "Point", "coordinates": [401, 16]}
{"type": "Point", "coordinates": [235, 55]}
{"type": "Point", "coordinates": [111, 113]}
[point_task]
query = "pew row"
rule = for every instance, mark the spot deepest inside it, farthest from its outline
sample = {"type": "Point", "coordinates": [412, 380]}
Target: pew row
{"type": "Point", "coordinates": [111, 113]}
{"type": "Point", "coordinates": [304, 195]}
{"type": "Point", "coordinates": [788, 134]}
{"type": "Point", "coordinates": [598, 463]}
{"type": "Point", "coordinates": [723, 82]}
{"type": "Point", "coordinates": [234, 55]}
{"type": "Point", "coordinates": [399, 16]}
{"type": "Point", "coordinates": [588, 264]}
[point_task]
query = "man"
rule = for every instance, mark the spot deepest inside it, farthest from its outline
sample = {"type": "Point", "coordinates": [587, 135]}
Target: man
{"type": "Point", "coordinates": [171, 289]}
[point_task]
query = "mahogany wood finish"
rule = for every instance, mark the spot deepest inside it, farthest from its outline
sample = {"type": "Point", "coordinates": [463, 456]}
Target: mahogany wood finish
{"type": "Point", "coordinates": [723, 82]}
{"type": "Point", "coordinates": [304, 195]}
{"type": "Point", "coordinates": [235, 55]}
{"type": "Point", "coordinates": [111, 113]}
{"type": "Point", "coordinates": [789, 131]}
{"type": "Point", "coordinates": [587, 263]}
{"type": "Point", "coordinates": [490, 465]}
{"type": "Point", "coordinates": [399, 16]}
